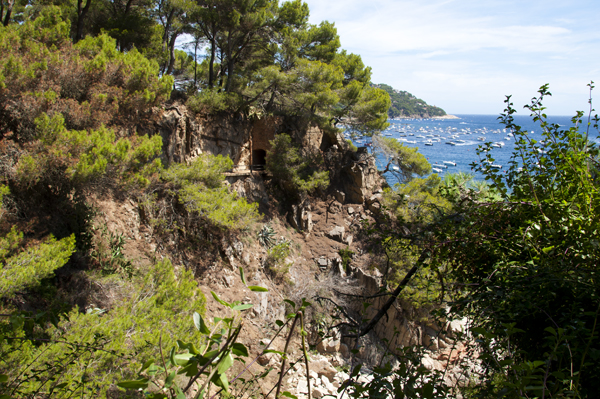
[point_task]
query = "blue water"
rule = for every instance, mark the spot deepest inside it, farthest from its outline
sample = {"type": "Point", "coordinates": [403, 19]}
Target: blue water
{"type": "Point", "coordinates": [468, 129]}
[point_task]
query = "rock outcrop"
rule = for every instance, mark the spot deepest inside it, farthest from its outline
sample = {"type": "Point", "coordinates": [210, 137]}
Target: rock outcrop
{"type": "Point", "coordinates": [245, 140]}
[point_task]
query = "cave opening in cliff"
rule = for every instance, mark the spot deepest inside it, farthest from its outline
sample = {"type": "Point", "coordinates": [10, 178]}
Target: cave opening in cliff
{"type": "Point", "coordinates": [259, 158]}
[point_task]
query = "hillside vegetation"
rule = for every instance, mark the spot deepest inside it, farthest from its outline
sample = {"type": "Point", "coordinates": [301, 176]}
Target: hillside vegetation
{"type": "Point", "coordinates": [405, 105]}
{"type": "Point", "coordinates": [83, 89]}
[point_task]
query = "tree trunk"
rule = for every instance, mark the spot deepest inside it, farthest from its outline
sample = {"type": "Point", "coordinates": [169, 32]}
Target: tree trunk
{"type": "Point", "coordinates": [81, 13]}
{"type": "Point", "coordinates": [197, 39]}
{"type": "Point", "coordinates": [172, 52]}
{"type": "Point", "coordinates": [211, 64]}
{"type": "Point", "coordinates": [9, 7]}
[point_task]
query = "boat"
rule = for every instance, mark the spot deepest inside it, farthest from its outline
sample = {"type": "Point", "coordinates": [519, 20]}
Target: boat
{"type": "Point", "coordinates": [495, 166]}
{"type": "Point", "coordinates": [449, 163]}
{"type": "Point", "coordinates": [439, 166]}
{"type": "Point", "coordinates": [436, 170]}
{"type": "Point", "coordinates": [429, 142]}
{"type": "Point", "coordinates": [450, 142]}
{"type": "Point", "coordinates": [481, 138]}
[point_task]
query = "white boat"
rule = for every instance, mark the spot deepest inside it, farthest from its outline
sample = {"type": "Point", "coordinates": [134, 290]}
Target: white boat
{"type": "Point", "coordinates": [481, 138]}
{"type": "Point", "coordinates": [429, 142]}
{"type": "Point", "coordinates": [496, 166]}
{"type": "Point", "coordinates": [436, 170]}
{"type": "Point", "coordinates": [449, 163]}
{"type": "Point", "coordinates": [439, 166]}
{"type": "Point", "coordinates": [450, 142]}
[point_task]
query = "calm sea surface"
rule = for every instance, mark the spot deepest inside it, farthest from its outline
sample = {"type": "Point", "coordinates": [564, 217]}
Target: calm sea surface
{"type": "Point", "coordinates": [467, 134]}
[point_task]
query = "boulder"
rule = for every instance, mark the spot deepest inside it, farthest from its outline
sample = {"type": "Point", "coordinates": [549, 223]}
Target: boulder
{"type": "Point", "coordinates": [337, 233]}
{"type": "Point", "coordinates": [301, 217]}
{"type": "Point", "coordinates": [339, 196]}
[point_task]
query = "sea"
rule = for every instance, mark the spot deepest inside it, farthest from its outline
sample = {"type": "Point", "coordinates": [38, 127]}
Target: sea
{"type": "Point", "coordinates": [454, 142]}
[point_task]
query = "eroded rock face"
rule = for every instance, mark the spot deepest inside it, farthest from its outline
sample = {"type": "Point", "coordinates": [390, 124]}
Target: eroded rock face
{"type": "Point", "coordinates": [301, 217]}
{"type": "Point", "coordinates": [251, 187]}
{"type": "Point", "coordinates": [360, 178]}
{"type": "Point", "coordinates": [186, 135]}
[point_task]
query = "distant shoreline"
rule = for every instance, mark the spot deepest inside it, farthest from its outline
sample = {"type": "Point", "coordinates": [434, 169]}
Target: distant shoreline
{"type": "Point", "coordinates": [431, 117]}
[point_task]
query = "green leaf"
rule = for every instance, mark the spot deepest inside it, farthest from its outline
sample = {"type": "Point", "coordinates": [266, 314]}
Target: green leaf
{"type": "Point", "coordinates": [172, 355]}
{"type": "Point", "coordinates": [289, 395]}
{"type": "Point", "coordinates": [242, 276]}
{"type": "Point", "coordinates": [200, 325]}
{"type": "Point", "coordinates": [190, 370]}
{"type": "Point", "coordinates": [153, 369]}
{"type": "Point", "coordinates": [224, 364]}
{"type": "Point", "coordinates": [257, 288]}
{"type": "Point", "coordinates": [548, 249]}
{"type": "Point", "coordinates": [170, 379]}
{"type": "Point", "coordinates": [291, 303]}
{"type": "Point", "coordinates": [550, 330]}
{"type": "Point", "coordinates": [274, 351]}
{"type": "Point", "coordinates": [134, 384]}
{"type": "Point", "coordinates": [180, 394]}
{"type": "Point", "coordinates": [239, 349]}
{"type": "Point", "coordinates": [3, 378]}
{"type": "Point", "coordinates": [222, 302]}
{"type": "Point", "coordinates": [182, 359]}
{"type": "Point", "coordinates": [210, 354]}
{"type": "Point", "coordinates": [144, 366]}
{"type": "Point", "coordinates": [243, 307]}
{"type": "Point", "coordinates": [224, 382]}
{"type": "Point", "coordinates": [188, 346]}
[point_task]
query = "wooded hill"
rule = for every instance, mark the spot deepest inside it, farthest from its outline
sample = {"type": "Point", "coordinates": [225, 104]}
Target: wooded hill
{"type": "Point", "coordinates": [406, 105]}
{"type": "Point", "coordinates": [83, 87]}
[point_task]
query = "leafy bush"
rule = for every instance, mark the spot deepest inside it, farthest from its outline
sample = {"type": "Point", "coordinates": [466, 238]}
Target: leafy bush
{"type": "Point", "coordinates": [22, 269]}
{"type": "Point", "coordinates": [211, 101]}
{"type": "Point", "coordinates": [296, 175]}
{"type": "Point", "coordinates": [276, 258]}
{"type": "Point", "coordinates": [87, 352]}
{"type": "Point", "coordinates": [199, 187]}
{"type": "Point", "coordinates": [527, 263]}
{"type": "Point", "coordinates": [83, 156]}
{"type": "Point", "coordinates": [91, 83]}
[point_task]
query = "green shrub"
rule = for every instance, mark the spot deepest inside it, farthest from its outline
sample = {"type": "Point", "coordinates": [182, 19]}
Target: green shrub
{"type": "Point", "coordinates": [212, 101]}
{"type": "Point", "coordinates": [22, 269]}
{"type": "Point", "coordinates": [296, 175]}
{"type": "Point", "coordinates": [276, 258]}
{"type": "Point", "coordinates": [199, 187]}
{"type": "Point", "coordinates": [346, 255]}
{"type": "Point", "coordinates": [85, 353]}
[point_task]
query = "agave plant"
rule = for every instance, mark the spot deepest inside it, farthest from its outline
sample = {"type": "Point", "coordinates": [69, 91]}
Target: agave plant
{"type": "Point", "coordinates": [266, 236]}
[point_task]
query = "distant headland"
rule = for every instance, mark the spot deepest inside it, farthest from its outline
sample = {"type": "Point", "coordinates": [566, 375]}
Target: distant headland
{"type": "Point", "coordinates": [406, 106]}
{"type": "Point", "coordinates": [440, 117]}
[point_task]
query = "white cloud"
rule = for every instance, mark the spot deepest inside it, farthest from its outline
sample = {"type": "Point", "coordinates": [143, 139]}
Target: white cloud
{"type": "Point", "coordinates": [466, 55]}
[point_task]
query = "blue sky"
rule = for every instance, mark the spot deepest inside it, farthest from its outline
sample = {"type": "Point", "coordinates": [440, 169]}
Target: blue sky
{"type": "Point", "coordinates": [466, 55]}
